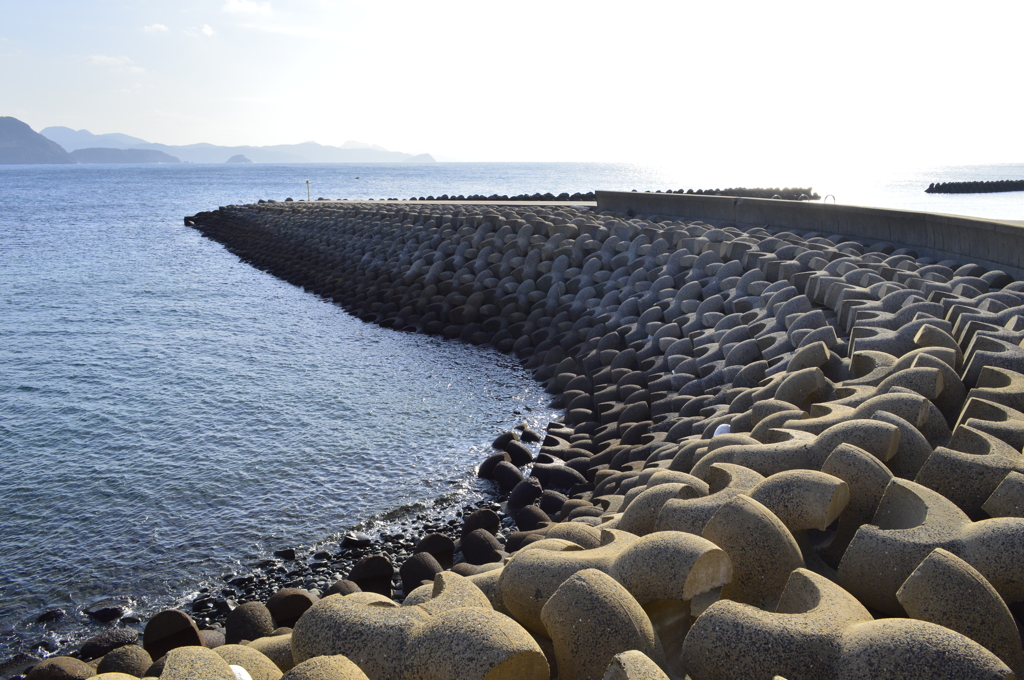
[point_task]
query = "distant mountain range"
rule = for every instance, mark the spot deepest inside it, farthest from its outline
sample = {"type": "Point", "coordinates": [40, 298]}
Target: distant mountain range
{"type": "Point", "coordinates": [102, 155]}
{"type": "Point", "coordinates": [19, 144]}
{"type": "Point", "coordinates": [307, 152]}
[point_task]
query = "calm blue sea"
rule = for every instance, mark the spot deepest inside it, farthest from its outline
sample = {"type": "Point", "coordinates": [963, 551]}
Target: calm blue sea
{"type": "Point", "coordinates": [168, 413]}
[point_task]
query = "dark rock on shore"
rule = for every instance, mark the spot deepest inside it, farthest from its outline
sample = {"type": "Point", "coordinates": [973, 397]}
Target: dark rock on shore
{"type": "Point", "coordinates": [51, 615]}
{"type": "Point", "coordinates": [106, 611]}
{"type": "Point", "coordinates": [519, 453]}
{"type": "Point", "coordinates": [485, 519]}
{"type": "Point", "coordinates": [355, 539]}
{"type": "Point", "coordinates": [98, 645]}
{"type": "Point", "coordinates": [564, 196]}
{"type": "Point", "coordinates": [19, 663]}
{"type": "Point", "coordinates": [531, 517]}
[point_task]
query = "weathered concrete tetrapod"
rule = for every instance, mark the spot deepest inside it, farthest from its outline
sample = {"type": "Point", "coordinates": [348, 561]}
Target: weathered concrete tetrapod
{"type": "Point", "coordinates": [450, 640]}
{"type": "Point", "coordinates": [819, 632]}
{"type": "Point", "coordinates": [591, 618]}
{"type": "Point", "coordinates": [659, 566]}
{"type": "Point", "coordinates": [762, 550]}
{"type": "Point", "coordinates": [910, 522]}
{"type": "Point", "coordinates": [949, 592]}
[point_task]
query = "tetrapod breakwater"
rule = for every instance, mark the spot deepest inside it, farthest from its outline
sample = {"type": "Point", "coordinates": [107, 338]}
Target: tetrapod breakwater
{"type": "Point", "coordinates": [786, 453]}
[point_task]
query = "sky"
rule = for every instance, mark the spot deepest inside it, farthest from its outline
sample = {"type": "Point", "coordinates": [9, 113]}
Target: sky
{"type": "Point", "coordinates": [746, 84]}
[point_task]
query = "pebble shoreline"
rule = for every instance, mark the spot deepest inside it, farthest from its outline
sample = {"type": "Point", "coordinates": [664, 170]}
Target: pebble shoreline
{"type": "Point", "coordinates": [784, 455]}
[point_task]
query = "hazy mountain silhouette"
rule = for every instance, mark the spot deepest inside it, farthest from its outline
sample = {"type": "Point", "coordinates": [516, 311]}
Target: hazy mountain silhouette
{"type": "Point", "coordinates": [19, 144]}
{"type": "Point", "coordinates": [307, 152]}
{"type": "Point", "coordinates": [72, 140]}
{"type": "Point", "coordinates": [122, 156]}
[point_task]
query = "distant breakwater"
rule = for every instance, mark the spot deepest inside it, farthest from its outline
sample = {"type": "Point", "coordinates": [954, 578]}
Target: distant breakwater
{"type": "Point", "coordinates": [787, 193]}
{"type": "Point", "coordinates": [989, 187]}
{"type": "Point", "coordinates": [740, 403]}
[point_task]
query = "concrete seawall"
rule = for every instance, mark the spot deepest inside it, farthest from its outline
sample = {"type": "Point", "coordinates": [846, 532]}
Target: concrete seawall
{"type": "Point", "coordinates": [773, 435]}
{"type": "Point", "coordinates": [994, 243]}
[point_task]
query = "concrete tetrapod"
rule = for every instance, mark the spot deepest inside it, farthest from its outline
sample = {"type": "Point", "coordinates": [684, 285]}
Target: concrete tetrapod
{"type": "Point", "coordinates": [800, 640]}
{"type": "Point", "coordinates": [260, 666]}
{"type": "Point", "coordinates": [998, 420]}
{"type": "Point", "coordinates": [1008, 498]}
{"type": "Point", "coordinates": [633, 665]}
{"type": "Point", "coordinates": [591, 618]}
{"type": "Point", "coordinates": [968, 471]}
{"type": "Point", "coordinates": [867, 479]}
{"type": "Point", "coordinates": [395, 643]}
{"type": "Point", "coordinates": [910, 522]}
{"type": "Point", "coordinates": [335, 667]}
{"type": "Point", "coordinates": [907, 649]}
{"type": "Point", "coordinates": [641, 515]}
{"type": "Point", "coordinates": [169, 629]}
{"type": "Point", "coordinates": [1000, 385]}
{"type": "Point", "coordinates": [821, 632]}
{"type": "Point", "coordinates": [949, 592]}
{"type": "Point", "coordinates": [130, 660]}
{"type": "Point", "coordinates": [762, 551]}
{"type": "Point", "coordinates": [63, 667]}
{"type": "Point", "coordinates": [691, 515]}
{"type": "Point", "coordinates": [802, 499]}
{"type": "Point", "coordinates": [277, 648]}
{"type": "Point", "coordinates": [659, 566]}
{"type": "Point", "coordinates": [806, 452]}
{"type": "Point", "coordinates": [188, 663]}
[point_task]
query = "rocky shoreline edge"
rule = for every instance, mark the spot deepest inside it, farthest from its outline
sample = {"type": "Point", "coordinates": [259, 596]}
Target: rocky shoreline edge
{"type": "Point", "coordinates": [785, 455]}
{"type": "Point", "coordinates": [315, 568]}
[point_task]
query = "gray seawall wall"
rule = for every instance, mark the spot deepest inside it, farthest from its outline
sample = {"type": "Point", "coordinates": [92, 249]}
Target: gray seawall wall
{"type": "Point", "coordinates": [990, 242]}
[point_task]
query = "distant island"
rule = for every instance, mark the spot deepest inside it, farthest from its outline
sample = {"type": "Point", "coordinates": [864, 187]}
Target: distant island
{"type": "Point", "coordinates": [239, 158]}
{"type": "Point", "coordinates": [990, 187]}
{"type": "Point", "coordinates": [122, 156]}
{"type": "Point", "coordinates": [307, 152]}
{"type": "Point", "coordinates": [20, 144]}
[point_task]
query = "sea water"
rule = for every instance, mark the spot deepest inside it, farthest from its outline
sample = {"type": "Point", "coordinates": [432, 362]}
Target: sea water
{"type": "Point", "coordinates": [169, 414]}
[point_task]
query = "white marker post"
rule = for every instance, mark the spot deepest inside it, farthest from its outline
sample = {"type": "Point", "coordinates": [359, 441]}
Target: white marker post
{"type": "Point", "coordinates": [309, 197]}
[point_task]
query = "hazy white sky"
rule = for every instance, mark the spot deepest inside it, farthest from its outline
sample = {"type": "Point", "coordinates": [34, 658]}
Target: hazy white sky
{"type": "Point", "coordinates": [755, 84]}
